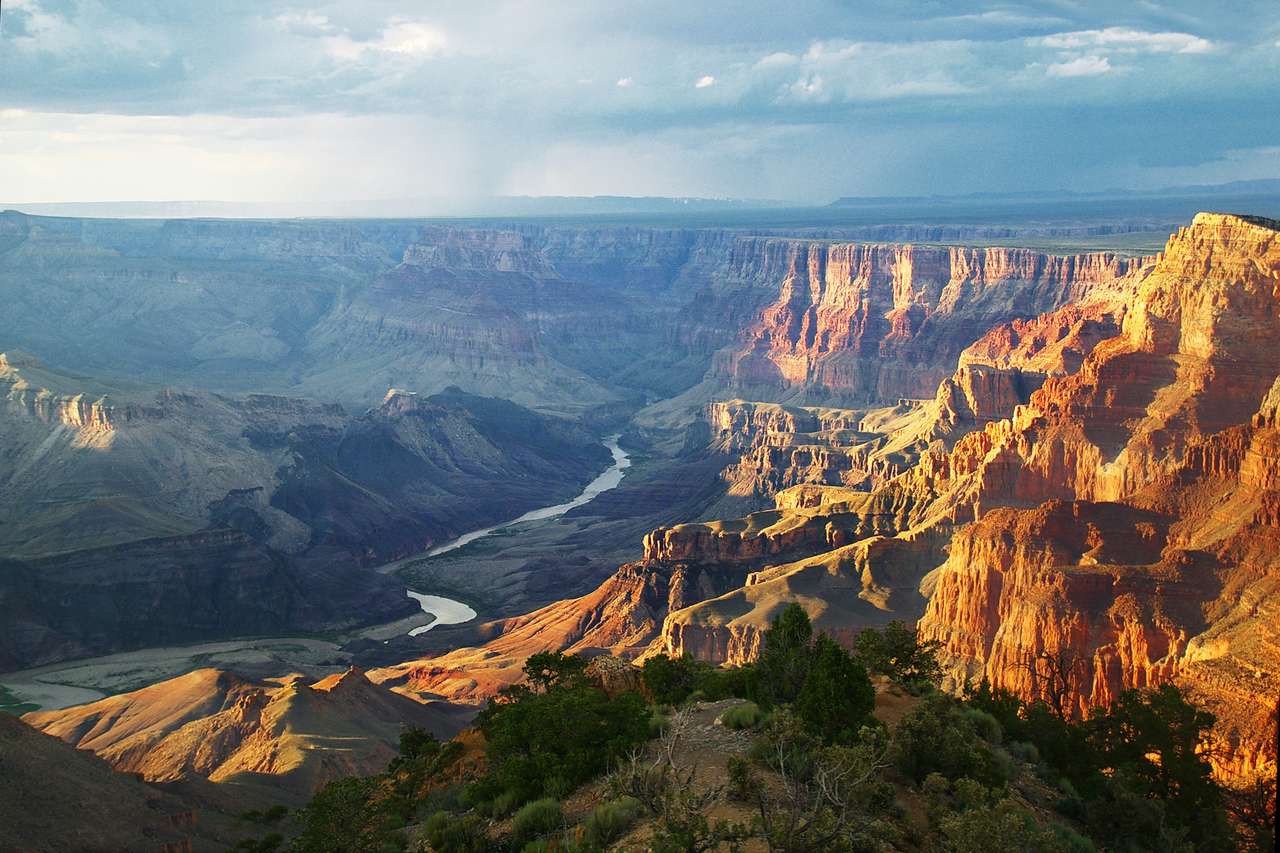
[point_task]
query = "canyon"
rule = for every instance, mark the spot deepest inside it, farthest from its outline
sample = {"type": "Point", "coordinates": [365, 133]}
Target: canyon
{"type": "Point", "coordinates": [1092, 486]}
{"type": "Point", "coordinates": [1037, 458]}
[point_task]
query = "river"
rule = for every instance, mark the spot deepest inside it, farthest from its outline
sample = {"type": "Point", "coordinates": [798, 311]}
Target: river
{"type": "Point", "coordinates": [449, 612]}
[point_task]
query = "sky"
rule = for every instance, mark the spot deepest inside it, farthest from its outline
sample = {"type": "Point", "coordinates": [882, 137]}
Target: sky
{"type": "Point", "coordinates": [253, 100]}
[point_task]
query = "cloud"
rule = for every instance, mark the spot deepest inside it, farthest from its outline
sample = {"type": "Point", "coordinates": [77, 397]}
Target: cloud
{"type": "Point", "coordinates": [303, 23]}
{"type": "Point", "coordinates": [782, 59]}
{"type": "Point", "coordinates": [387, 75]}
{"type": "Point", "coordinates": [399, 37]}
{"type": "Point", "coordinates": [1081, 66]}
{"type": "Point", "coordinates": [1119, 38]}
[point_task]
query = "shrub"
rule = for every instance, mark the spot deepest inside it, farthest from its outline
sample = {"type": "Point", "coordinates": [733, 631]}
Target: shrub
{"type": "Point", "coordinates": [742, 782]}
{"type": "Point", "coordinates": [745, 716]}
{"type": "Point", "coordinates": [544, 743]}
{"type": "Point", "coordinates": [986, 725]}
{"type": "Point", "coordinates": [938, 737]}
{"type": "Point", "coordinates": [503, 804]}
{"type": "Point", "coordinates": [742, 682]}
{"type": "Point", "coordinates": [1004, 826]}
{"type": "Point", "coordinates": [1024, 752]}
{"type": "Point", "coordinates": [610, 821]}
{"type": "Point", "coordinates": [658, 722]}
{"type": "Point", "coordinates": [447, 834]}
{"type": "Point", "coordinates": [536, 819]}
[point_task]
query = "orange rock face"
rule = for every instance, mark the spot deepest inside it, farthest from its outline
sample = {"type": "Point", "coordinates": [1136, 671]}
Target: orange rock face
{"type": "Point", "coordinates": [1156, 556]}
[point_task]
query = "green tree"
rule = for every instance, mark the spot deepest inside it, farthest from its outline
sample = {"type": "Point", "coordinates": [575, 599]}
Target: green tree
{"type": "Point", "coordinates": [784, 658]}
{"type": "Point", "coordinates": [547, 668]}
{"type": "Point", "coordinates": [837, 696]}
{"type": "Point", "coordinates": [1156, 739]}
{"type": "Point", "coordinates": [343, 816]}
{"type": "Point", "coordinates": [898, 653]}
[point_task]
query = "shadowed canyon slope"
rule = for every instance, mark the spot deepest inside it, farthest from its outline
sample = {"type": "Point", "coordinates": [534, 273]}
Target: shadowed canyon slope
{"type": "Point", "coordinates": [133, 516]}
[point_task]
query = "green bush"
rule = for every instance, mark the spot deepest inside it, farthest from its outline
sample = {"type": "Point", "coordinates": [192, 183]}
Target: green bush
{"type": "Point", "coordinates": [986, 725]}
{"type": "Point", "coordinates": [610, 821]}
{"type": "Point", "coordinates": [1003, 826]}
{"type": "Point", "coordinates": [541, 743]}
{"type": "Point", "coordinates": [536, 819]}
{"type": "Point", "coordinates": [447, 834]}
{"type": "Point", "coordinates": [1024, 752]}
{"type": "Point", "coordinates": [658, 722]}
{"type": "Point", "coordinates": [745, 716]}
{"type": "Point", "coordinates": [717, 683]}
{"type": "Point", "coordinates": [503, 804]}
{"type": "Point", "coordinates": [938, 737]}
{"type": "Point", "coordinates": [742, 782]}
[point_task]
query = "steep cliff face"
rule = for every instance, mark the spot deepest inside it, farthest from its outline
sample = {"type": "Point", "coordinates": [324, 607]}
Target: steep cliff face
{"type": "Point", "coordinates": [1175, 419]}
{"type": "Point", "coordinates": [782, 446]}
{"type": "Point", "coordinates": [289, 734]}
{"type": "Point", "coordinates": [876, 322]}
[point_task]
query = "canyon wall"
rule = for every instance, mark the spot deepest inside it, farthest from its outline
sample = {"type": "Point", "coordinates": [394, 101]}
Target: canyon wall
{"type": "Point", "coordinates": [878, 322]}
{"type": "Point", "coordinates": [563, 319]}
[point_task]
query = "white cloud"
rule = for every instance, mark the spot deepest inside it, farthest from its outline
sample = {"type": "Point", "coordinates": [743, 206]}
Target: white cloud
{"type": "Point", "coordinates": [1081, 66]}
{"type": "Point", "coordinates": [782, 59]}
{"type": "Point", "coordinates": [303, 23]}
{"type": "Point", "coordinates": [809, 88]}
{"type": "Point", "coordinates": [837, 71]}
{"type": "Point", "coordinates": [1120, 38]}
{"type": "Point", "coordinates": [704, 82]}
{"type": "Point", "coordinates": [399, 37]}
{"type": "Point", "coordinates": [624, 83]}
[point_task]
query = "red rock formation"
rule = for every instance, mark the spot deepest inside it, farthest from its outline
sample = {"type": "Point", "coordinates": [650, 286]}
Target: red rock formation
{"type": "Point", "coordinates": [1174, 417]}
